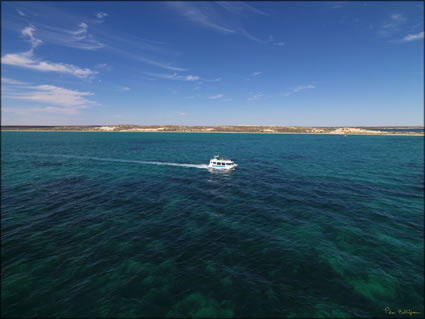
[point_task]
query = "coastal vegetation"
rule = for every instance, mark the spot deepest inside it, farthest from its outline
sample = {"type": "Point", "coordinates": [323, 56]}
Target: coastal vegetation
{"type": "Point", "coordinates": [227, 129]}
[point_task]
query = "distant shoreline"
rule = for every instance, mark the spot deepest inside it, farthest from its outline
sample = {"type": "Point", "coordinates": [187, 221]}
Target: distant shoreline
{"type": "Point", "coordinates": [243, 129]}
{"type": "Point", "coordinates": [277, 133]}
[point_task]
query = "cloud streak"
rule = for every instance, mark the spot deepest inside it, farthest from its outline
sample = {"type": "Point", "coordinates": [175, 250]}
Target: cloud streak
{"type": "Point", "coordinates": [391, 25]}
{"type": "Point", "coordinates": [239, 7]}
{"type": "Point", "coordinates": [58, 99]}
{"type": "Point", "coordinates": [173, 76]}
{"type": "Point", "coordinates": [79, 38]}
{"type": "Point", "coordinates": [12, 81]}
{"type": "Point", "coordinates": [101, 15]}
{"type": "Point", "coordinates": [255, 97]}
{"type": "Point", "coordinates": [413, 37]}
{"type": "Point", "coordinates": [28, 31]}
{"type": "Point", "coordinates": [299, 88]}
{"type": "Point", "coordinates": [215, 97]}
{"type": "Point", "coordinates": [202, 16]}
{"type": "Point", "coordinates": [222, 16]}
{"type": "Point", "coordinates": [27, 60]}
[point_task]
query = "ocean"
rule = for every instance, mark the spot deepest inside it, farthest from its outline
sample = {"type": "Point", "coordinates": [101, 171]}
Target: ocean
{"type": "Point", "coordinates": [134, 225]}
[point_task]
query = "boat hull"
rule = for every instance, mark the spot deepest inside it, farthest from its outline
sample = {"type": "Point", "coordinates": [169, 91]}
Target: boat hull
{"type": "Point", "coordinates": [220, 167]}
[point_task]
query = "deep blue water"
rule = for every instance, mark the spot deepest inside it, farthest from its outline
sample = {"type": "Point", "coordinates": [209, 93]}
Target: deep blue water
{"type": "Point", "coordinates": [307, 225]}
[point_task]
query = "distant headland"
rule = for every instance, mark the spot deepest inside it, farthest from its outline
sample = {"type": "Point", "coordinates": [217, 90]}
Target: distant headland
{"type": "Point", "coordinates": [359, 130]}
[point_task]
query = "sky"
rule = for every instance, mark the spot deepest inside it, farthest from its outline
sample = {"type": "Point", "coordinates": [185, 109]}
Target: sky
{"type": "Point", "coordinates": [212, 63]}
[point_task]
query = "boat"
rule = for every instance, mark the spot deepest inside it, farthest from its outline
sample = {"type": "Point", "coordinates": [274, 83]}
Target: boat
{"type": "Point", "coordinates": [221, 163]}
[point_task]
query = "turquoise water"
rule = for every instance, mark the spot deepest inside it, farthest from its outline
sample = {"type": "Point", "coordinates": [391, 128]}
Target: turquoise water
{"type": "Point", "coordinates": [306, 226]}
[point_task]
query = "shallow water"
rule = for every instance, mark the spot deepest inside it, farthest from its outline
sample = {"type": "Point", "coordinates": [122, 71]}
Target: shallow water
{"type": "Point", "coordinates": [133, 225]}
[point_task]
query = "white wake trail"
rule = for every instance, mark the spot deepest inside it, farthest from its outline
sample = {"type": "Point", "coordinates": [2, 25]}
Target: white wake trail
{"type": "Point", "coordinates": [105, 159]}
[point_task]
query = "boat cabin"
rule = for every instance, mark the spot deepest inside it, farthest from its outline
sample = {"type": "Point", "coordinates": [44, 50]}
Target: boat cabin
{"type": "Point", "coordinates": [219, 162]}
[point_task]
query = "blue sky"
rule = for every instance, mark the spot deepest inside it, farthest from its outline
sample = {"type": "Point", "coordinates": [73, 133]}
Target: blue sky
{"type": "Point", "coordinates": [212, 63]}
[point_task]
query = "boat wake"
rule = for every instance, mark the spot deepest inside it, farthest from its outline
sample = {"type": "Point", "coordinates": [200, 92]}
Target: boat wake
{"type": "Point", "coordinates": [105, 159]}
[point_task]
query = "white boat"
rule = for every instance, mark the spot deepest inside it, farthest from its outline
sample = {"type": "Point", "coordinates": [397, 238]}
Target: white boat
{"type": "Point", "coordinates": [221, 163]}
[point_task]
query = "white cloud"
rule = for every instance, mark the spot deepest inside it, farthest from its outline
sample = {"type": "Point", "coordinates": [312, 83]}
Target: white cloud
{"type": "Point", "coordinates": [271, 40]}
{"type": "Point", "coordinates": [139, 57]}
{"type": "Point", "coordinates": [28, 31]}
{"type": "Point", "coordinates": [212, 16]}
{"type": "Point", "coordinates": [20, 12]}
{"type": "Point", "coordinates": [78, 38]}
{"type": "Point", "coordinates": [255, 97]}
{"type": "Point", "coordinates": [303, 87]}
{"type": "Point", "coordinates": [391, 25]}
{"type": "Point", "coordinates": [58, 99]}
{"type": "Point", "coordinates": [173, 76]}
{"type": "Point", "coordinates": [81, 33]}
{"type": "Point", "coordinates": [214, 97]}
{"type": "Point", "coordinates": [11, 81]}
{"type": "Point", "coordinates": [26, 60]}
{"type": "Point", "coordinates": [239, 7]}
{"type": "Point", "coordinates": [124, 88]}
{"type": "Point", "coordinates": [191, 78]}
{"type": "Point", "coordinates": [336, 4]}
{"type": "Point", "coordinates": [101, 15]}
{"type": "Point", "coordinates": [53, 95]}
{"type": "Point", "coordinates": [413, 37]}
{"type": "Point", "coordinates": [203, 17]}
{"type": "Point", "coordinates": [255, 73]}
{"type": "Point", "coordinates": [214, 80]}
{"type": "Point", "coordinates": [298, 89]}
{"type": "Point", "coordinates": [396, 17]}
{"type": "Point", "coordinates": [227, 100]}
{"type": "Point", "coordinates": [160, 64]}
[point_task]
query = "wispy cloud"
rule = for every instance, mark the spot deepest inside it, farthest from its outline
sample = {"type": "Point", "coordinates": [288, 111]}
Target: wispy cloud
{"type": "Point", "coordinates": [28, 31]}
{"type": "Point", "coordinates": [124, 88]}
{"type": "Point", "coordinates": [214, 80]}
{"type": "Point", "coordinates": [54, 95]}
{"type": "Point", "coordinates": [173, 76]}
{"type": "Point", "coordinates": [272, 40]}
{"type": "Point", "coordinates": [299, 88]}
{"type": "Point", "coordinates": [228, 100]}
{"type": "Point", "coordinates": [303, 87]}
{"type": "Point", "coordinates": [201, 16]}
{"type": "Point", "coordinates": [239, 7]}
{"type": "Point", "coordinates": [218, 16]}
{"type": "Point", "coordinates": [336, 4]}
{"type": "Point", "coordinates": [27, 60]}
{"type": "Point", "coordinates": [58, 99]}
{"type": "Point", "coordinates": [146, 60]}
{"type": "Point", "coordinates": [21, 13]}
{"type": "Point", "coordinates": [413, 37]}
{"type": "Point", "coordinates": [255, 97]}
{"type": "Point", "coordinates": [391, 25]}
{"type": "Point", "coordinates": [255, 73]}
{"type": "Point", "coordinates": [215, 97]}
{"type": "Point", "coordinates": [81, 37]}
{"type": "Point", "coordinates": [101, 15]}
{"type": "Point", "coordinates": [12, 81]}
{"type": "Point", "coordinates": [78, 38]}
